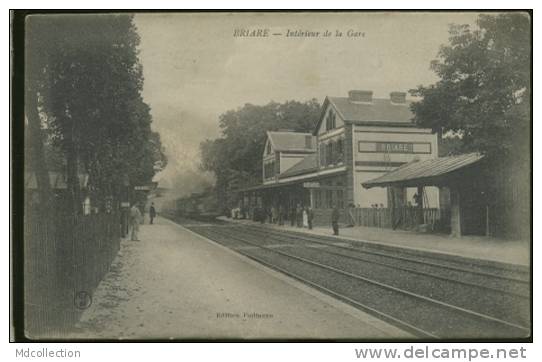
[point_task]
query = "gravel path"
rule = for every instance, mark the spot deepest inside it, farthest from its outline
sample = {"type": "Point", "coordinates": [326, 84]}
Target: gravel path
{"type": "Point", "coordinates": [175, 285]}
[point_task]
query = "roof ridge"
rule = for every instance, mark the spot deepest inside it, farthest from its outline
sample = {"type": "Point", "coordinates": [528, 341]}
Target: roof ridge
{"type": "Point", "coordinates": [289, 132]}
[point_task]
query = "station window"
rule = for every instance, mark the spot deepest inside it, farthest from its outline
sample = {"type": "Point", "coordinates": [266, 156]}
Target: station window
{"type": "Point", "coordinates": [329, 153]}
{"type": "Point", "coordinates": [308, 142]}
{"type": "Point", "coordinates": [269, 170]}
{"type": "Point", "coordinates": [329, 199]}
{"type": "Point", "coordinates": [317, 199]}
{"type": "Point", "coordinates": [268, 148]}
{"type": "Point", "coordinates": [340, 198]}
{"type": "Point", "coordinates": [322, 154]}
{"type": "Point", "coordinates": [340, 150]}
{"type": "Point", "coordinates": [330, 120]}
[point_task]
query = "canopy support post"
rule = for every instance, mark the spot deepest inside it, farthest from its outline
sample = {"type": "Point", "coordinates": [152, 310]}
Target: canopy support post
{"type": "Point", "coordinates": [455, 220]}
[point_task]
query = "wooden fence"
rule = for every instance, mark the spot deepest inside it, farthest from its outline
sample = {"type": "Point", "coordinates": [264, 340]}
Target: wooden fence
{"type": "Point", "coordinates": [403, 218]}
{"type": "Point", "coordinates": [64, 256]}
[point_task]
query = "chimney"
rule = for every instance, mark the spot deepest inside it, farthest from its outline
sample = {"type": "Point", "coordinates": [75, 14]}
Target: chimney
{"type": "Point", "coordinates": [360, 96]}
{"type": "Point", "coordinates": [398, 97]}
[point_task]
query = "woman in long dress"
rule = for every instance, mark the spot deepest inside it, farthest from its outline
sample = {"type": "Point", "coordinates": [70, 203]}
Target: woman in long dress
{"type": "Point", "coordinates": [305, 218]}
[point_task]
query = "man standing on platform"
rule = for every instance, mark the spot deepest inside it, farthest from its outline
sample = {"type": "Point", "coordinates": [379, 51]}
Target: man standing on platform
{"type": "Point", "coordinates": [152, 212]}
{"type": "Point", "coordinates": [335, 215]}
{"type": "Point", "coordinates": [310, 216]}
{"type": "Point", "coordinates": [293, 215]}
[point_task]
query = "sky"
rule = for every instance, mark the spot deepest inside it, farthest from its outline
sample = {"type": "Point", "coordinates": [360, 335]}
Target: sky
{"type": "Point", "coordinates": [196, 69]}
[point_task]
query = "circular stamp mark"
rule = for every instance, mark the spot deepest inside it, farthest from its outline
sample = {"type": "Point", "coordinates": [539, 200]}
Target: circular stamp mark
{"type": "Point", "coordinates": [82, 300]}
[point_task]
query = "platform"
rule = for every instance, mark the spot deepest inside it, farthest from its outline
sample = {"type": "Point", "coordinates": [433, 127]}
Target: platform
{"type": "Point", "coordinates": [174, 284]}
{"type": "Point", "coordinates": [478, 247]}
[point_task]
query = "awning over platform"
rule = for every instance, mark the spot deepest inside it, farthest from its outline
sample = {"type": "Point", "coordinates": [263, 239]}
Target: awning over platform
{"type": "Point", "coordinates": [431, 172]}
{"type": "Point", "coordinates": [296, 180]}
{"type": "Point", "coordinates": [269, 186]}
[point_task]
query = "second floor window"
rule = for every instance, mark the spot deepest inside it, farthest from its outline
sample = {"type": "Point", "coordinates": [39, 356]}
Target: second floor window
{"type": "Point", "coordinates": [339, 151]}
{"type": "Point", "coordinates": [332, 153]}
{"type": "Point", "coordinates": [329, 153]}
{"type": "Point", "coordinates": [322, 154]}
{"type": "Point", "coordinates": [308, 142]}
{"type": "Point", "coordinates": [269, 170]}
{"type": "Point", "coordinates": [330, 121]}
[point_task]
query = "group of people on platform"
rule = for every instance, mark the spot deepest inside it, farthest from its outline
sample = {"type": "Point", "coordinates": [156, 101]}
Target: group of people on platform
{"type": "Point", "coordinates": [299, 216]}
{"type": "Point", "coordinates": [136, 218]}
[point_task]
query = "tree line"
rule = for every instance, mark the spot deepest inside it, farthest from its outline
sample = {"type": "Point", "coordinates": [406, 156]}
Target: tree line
{"type": "Point", "coordinates": [481, 102]}
{"type": "Point", "coordinates": [240, 148]}
{"type": "Point", "coordinates": [84, 112]}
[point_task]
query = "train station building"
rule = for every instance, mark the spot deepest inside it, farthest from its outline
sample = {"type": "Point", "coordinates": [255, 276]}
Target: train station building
{"type": "Point", "coordinates": [357, 138]}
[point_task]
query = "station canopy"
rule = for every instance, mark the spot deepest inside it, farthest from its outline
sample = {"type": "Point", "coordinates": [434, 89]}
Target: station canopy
{"type": "Point", "coordinates": [432, 172]}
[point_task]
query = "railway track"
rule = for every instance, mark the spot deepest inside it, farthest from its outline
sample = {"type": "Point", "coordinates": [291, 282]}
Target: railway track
{"type": "Point", "coordinates": [482, 267]}
{"type": "Point", "coordinates": [503, 304]}
{"type": "Point", "coordinates": [516, 283]}
{"type": "Point", "coordinates": [408, 291]}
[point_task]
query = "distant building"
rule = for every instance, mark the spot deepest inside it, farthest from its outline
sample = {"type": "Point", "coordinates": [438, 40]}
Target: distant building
{"type": "Point", "coordinates": [58, 183]}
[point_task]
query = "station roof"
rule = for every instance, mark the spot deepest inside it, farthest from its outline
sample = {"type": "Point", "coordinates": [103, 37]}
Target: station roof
{"type": "Point", "coordinates": [285, 141]}
{"type": "Point", "coordinates": [424, 173]}
{"type": "Point", "coordinates": [378, 110]}
{"type": "Point", "coordinates": [306, 165]}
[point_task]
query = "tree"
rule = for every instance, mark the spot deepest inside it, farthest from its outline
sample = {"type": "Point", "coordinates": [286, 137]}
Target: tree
{"type": "Point", "coordinates": [84, 81]}
{"type": "Point", "coordinates": [483, 99]}
{"type": "Point", "coordinates": [484, 91]}
{"type": "Point", "coordinates": [244, 132]}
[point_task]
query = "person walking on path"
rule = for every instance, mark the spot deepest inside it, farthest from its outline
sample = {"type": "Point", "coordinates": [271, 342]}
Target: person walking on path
{"type": "Point", "coordinates": [335, 215]}
{"type": "Point", "coordinates": [152, 212]}
{"type": "Point", "coordinates": [135, 219]}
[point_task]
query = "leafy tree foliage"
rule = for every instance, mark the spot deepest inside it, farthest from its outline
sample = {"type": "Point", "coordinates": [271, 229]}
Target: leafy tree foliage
{"type": "Point", "coordinates": [244, 133]}
{"type": "Point", "coordinates": [484, 91]}
{"type": "Point", "coordinates": [83, 90]}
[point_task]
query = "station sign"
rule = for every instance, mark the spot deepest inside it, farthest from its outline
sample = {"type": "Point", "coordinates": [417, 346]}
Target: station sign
{"type": "Point", "coordinates": [311, 185]}
{"type": "Point", "coordinates": [394, 147]}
